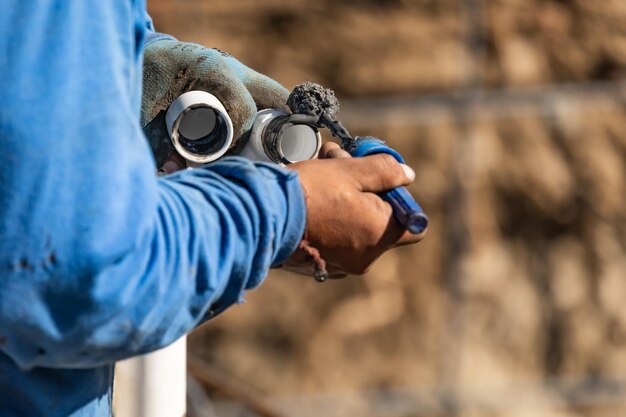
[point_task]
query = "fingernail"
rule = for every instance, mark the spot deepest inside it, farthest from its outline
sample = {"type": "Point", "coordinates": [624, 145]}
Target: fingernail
{"type": "Point", "coordinates": [408, 171]}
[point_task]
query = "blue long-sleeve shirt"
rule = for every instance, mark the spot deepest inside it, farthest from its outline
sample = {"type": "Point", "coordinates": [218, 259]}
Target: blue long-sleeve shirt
{"type": "Point", "coordinates": [99, 259]}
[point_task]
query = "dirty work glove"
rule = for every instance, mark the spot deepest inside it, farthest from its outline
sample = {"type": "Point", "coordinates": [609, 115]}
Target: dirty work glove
{"type": "Point", "coordinates": [172, 68]}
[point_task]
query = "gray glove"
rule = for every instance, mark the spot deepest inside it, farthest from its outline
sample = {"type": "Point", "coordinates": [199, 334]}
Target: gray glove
{"type": "Point", "coordinates": [172, 68]}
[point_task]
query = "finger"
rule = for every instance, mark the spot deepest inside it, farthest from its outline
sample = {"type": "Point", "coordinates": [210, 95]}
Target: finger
{"type": "Point", "coordinates": [396, 235]}
{"type": "Point", "coordinates": [393, 233]}
{"type": "Point", "coordinates": [173, 163]}
{"type": "Point", "coordinates": [331, 150]}
{"type": "Point", "coordinates": [266, 92]}
{"type": "Point", "coordinates": [378, 173]}
{"type": "Point", "coordinates": [409, 238]}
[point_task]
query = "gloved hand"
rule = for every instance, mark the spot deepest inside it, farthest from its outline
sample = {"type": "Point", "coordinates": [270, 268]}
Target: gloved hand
{"type": "Point", "coordinates": [172, 68]}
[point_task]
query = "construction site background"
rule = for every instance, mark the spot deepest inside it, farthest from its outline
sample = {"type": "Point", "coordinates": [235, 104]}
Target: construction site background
{"type": "Point", "coordinates": [512, 113]}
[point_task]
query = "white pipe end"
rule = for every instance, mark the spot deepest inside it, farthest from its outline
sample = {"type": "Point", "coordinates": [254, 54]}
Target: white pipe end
{"type": "Point", "coordinates": [199, 126]}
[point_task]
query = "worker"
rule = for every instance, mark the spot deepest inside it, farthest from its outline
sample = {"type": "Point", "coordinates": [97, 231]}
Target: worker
{"type": "Point", "coordinates": [101, 259]}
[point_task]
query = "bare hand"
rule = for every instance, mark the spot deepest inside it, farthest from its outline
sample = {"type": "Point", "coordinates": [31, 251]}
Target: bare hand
{"type": "Point", "coordinates": [347, 221]}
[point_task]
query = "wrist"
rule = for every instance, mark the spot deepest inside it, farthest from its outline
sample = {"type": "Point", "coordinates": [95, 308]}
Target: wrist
{"type": "Point", "coordinates": [152, 37]}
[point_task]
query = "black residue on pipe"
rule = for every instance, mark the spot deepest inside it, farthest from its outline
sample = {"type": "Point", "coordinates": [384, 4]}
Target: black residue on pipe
{"type": "Point", "coordinates": [319, 103]}
{"type": "Point", "coordinates": [311, 98]}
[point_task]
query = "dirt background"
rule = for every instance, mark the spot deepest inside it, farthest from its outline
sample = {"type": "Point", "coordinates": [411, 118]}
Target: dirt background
{"type": "Point", "coordinates": [512, 113]}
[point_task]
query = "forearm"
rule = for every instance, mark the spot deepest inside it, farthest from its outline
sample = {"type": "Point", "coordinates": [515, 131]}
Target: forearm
{"type": "Point", "coordinates": [210, 242]}
{"type": "Point", "coordinates": [101, 260]}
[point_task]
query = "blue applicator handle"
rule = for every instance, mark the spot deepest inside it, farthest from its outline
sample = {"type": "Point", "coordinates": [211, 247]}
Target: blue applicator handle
{"type": "Point", "coordinates": [405, 208]}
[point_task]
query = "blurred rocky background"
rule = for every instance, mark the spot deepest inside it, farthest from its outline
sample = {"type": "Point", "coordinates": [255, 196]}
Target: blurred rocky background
{"type": "Point", "coordinates": [513, 114]}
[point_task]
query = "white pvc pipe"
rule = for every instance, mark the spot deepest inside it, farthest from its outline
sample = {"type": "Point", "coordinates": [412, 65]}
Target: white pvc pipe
{"type": "Point", "coordinates": [152, 385]}
{"type": "Point", "coordinates": [297, 142]}
{"type": "Point", "coordinates": [193, 116]}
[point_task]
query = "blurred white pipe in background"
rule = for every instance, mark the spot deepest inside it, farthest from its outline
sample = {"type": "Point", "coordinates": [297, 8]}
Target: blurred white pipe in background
{"type": "Point", "coordinates": [152, 385]}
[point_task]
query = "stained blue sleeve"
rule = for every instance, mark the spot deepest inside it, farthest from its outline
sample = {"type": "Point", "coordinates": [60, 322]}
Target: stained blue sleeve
{"type": "Point", "coordinates": [99, 259]}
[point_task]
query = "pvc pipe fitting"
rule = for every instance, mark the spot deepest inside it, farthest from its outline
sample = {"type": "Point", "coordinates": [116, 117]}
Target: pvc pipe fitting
{"type": "Point", "coordinates": [199, 127]}
{"type": "Point", "coordinates": [275, 139]}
